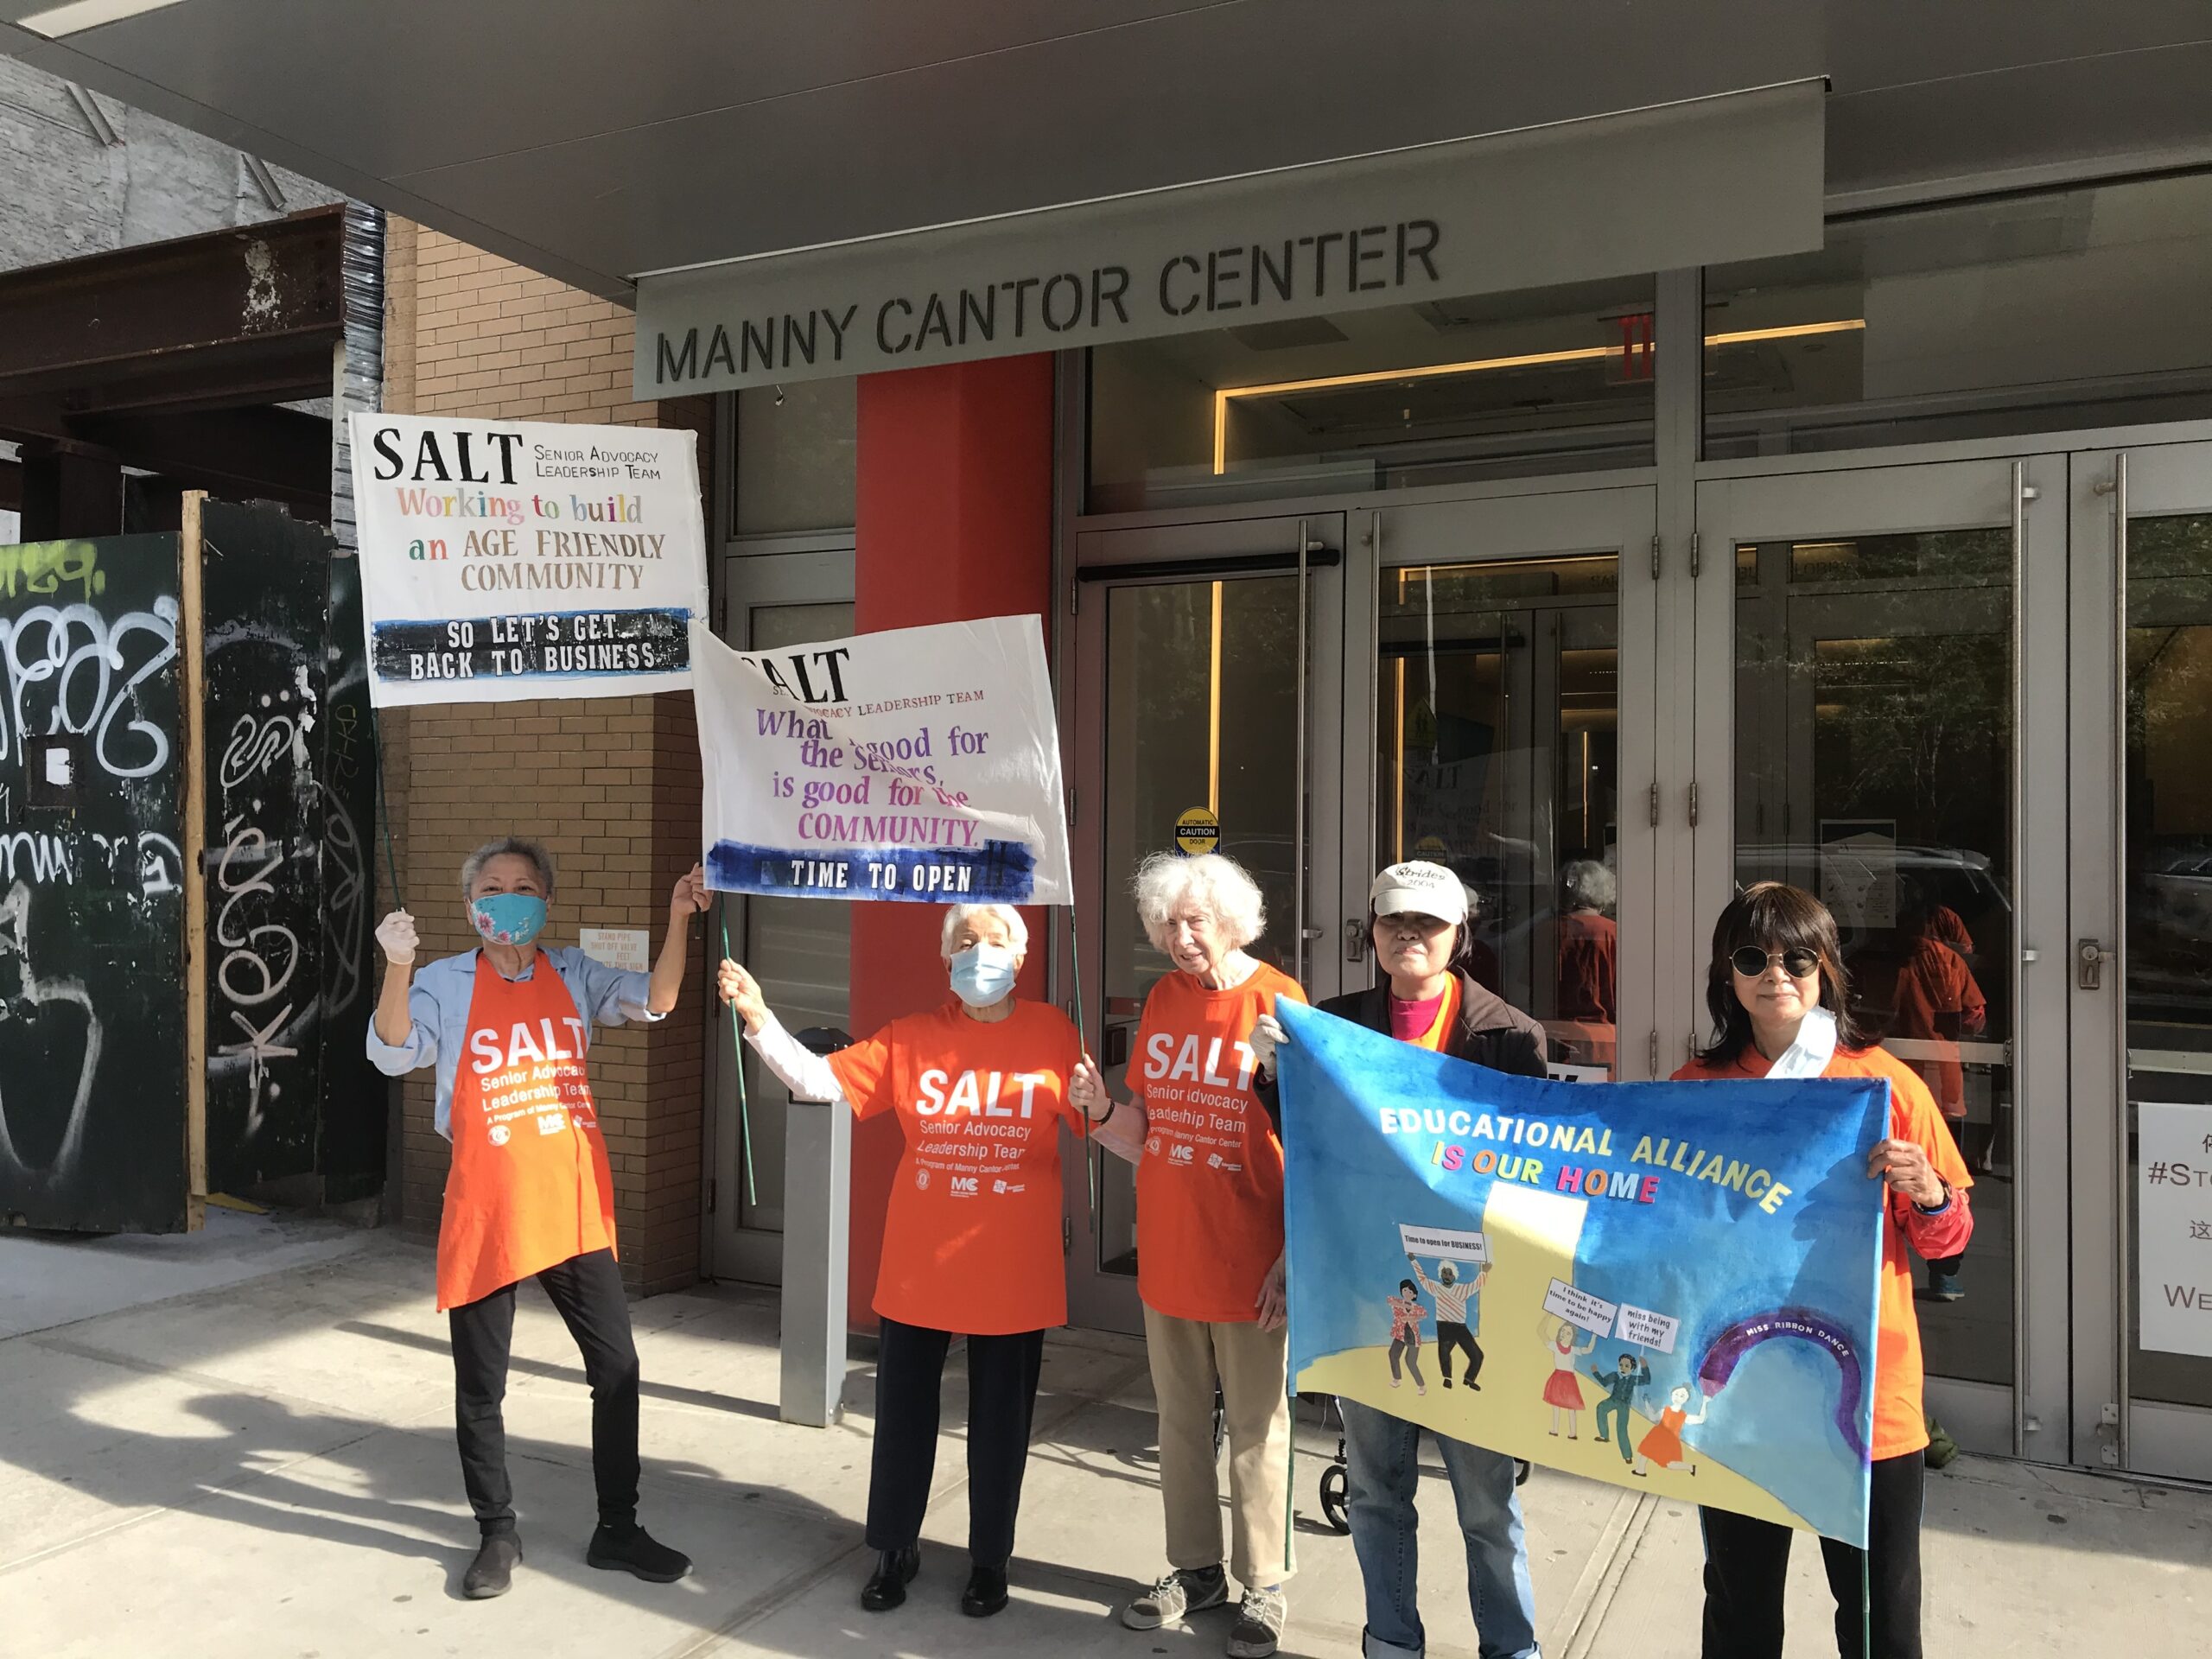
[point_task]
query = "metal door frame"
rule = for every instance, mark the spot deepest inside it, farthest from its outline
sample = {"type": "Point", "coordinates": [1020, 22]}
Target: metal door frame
{"type": "Point", "coordinates": [754, 575]}
{"type": "Point", "coordinates": [1257, 546]}
{"type": "Point", "coordinates": [2112, 1429]}
{"type": "Point", "coordinates": [2024, 491]}
{"type": "Point", "coordinates": [1526, 525]}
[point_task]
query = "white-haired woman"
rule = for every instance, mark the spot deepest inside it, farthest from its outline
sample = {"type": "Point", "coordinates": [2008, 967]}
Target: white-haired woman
{"type": "Point", "coordinates": [529, 1193]}
{"type": "Point", "coordinates": [1209, 1268]}
{"type": "Point", "coordinates": [971, 1240]}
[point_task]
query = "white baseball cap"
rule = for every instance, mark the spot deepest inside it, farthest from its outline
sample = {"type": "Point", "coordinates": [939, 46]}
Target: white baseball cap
{"type": "Point", "coordinates": [1425, 889]}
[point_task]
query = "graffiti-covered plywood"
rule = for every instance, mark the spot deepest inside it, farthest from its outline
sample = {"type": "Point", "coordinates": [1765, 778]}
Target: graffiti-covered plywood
{"type": "Point", "coordinates": [264, 579]}
{"type": "Point", "coordinates": [93, 1044]}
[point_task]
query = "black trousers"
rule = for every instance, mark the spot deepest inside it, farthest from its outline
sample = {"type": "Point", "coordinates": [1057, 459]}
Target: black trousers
{"type": "Point", "coordinates": [1449, 1334]}
{"type": "Point", "coordinates": [1001, 1400]}
{"type": "Point", "coordinates": [586, 1291]}
{"type": "Point", "coordinates": [1746, 1562]}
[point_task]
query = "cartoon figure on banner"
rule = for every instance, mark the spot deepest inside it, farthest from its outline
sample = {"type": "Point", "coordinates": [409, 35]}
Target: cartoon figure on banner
{"type": "Point", "coordinates": [1406, 1315]}
{"type": "Point", "coordinates": [1629, 1373]}
{"type": "Point", "coordinates": [1662, 1442]}
{"type": "Point", "coordinates": [1455, 1327]}
{"type": "Point", "coordinates": [1563, 1388]}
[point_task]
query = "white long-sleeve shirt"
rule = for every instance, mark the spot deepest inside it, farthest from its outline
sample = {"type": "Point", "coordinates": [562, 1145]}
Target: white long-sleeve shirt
{"type": "Point", "coordinates": [808, 1074]}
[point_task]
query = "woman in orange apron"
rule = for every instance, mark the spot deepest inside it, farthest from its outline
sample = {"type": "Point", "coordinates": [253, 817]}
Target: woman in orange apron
{"type": "Point", "coordinates": [529, 1194]}
{"type": "Point", "coordinates": [971, 1239]}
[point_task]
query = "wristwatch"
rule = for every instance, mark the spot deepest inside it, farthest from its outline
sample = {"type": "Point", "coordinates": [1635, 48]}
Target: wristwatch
{"type": "Point", "coordinates": [1940, 1205]}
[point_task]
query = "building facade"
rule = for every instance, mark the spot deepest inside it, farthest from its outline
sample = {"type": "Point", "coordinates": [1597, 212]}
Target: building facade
{"type": "Point", "coordinates": [1779, 444]}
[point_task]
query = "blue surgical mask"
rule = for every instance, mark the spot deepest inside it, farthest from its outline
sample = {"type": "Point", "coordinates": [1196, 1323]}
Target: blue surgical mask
{"type": "Point", "coordinates": [983, 974]}
{"type": "Point", "coordinates": [508, 917]}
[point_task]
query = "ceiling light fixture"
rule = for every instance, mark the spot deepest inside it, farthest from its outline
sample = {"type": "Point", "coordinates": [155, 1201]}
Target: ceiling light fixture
{"type": "Point", "coordinates": [1479, 365]}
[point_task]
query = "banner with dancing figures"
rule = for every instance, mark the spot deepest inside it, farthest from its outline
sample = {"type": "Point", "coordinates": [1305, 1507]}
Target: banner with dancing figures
{"type": "Point", "coordinates": [1670, 1286]}
{"type": "Point", "coordinates": [915, 764]}
{"type": "Point", "coordinates": [513, 559]}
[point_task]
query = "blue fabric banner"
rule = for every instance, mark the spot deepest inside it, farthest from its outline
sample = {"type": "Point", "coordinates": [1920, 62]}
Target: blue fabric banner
{"type": "Point", "coordinates": [1670, 1286]}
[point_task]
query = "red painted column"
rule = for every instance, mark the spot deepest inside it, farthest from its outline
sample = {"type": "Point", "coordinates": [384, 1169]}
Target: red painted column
{"type": "Point", "coordinates": [955, 521]}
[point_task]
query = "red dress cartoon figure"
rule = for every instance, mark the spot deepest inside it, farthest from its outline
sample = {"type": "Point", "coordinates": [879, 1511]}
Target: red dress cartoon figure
{"type": "Point", "coordinates": [1406, 1315]}
{"type": "Point", "coordinates": [1662, 1442]}
{"type": "Point", "coordinates": [1563, 1388]}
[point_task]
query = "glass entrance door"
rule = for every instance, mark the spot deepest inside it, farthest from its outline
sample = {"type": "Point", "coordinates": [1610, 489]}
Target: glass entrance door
{"type": "Point", "coordinates": [1869, 727]}
{"type": "Point", "coordinates": [800, 949]}
{"type": "Point", "coordinates": [2141, 961]}
{"type": "Point", "coordinates": [1203, 653]}
{"type": "Point", "coordinates": [1509, 735]}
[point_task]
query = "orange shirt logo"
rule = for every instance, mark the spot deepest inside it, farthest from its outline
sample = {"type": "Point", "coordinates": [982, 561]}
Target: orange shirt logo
{"type": "Point", "coordinates": [978, 1094]}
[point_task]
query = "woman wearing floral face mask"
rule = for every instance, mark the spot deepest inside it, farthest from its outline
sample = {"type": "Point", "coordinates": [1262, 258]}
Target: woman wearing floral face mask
{"type": "Point", "coordinates": [529, 1194]}
{"type": "Point", "coordinates": [971, 1241]}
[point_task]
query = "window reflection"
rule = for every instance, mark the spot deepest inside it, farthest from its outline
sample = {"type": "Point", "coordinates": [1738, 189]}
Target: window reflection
{"type": "Point", "coordinates": [1873, 767]}
{"type": "Point", "coordinates": [1497, 755]}
{"type": "Point", "coordinates": [2168, 857]}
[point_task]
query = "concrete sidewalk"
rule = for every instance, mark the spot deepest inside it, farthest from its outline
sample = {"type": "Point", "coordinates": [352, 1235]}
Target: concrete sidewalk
{"type": "Point", "coordinates": [266, 1466]}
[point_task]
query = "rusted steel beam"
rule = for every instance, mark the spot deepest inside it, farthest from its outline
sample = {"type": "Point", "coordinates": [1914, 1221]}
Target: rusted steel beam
{"type": "Point", "coordinates": [173, 322]}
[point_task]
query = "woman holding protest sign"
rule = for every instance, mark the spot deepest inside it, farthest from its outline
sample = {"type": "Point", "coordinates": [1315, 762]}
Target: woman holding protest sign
{"type": "Point", "coordinates": [1418, 917]}
{"type": "Point", "coordinates": [529, 1194]}
{"type": "Point", "coordinates": [971, 1241]}
{"type": "Point", "coordinates": [1780, 1000]}
{"type": "Point", "coordinates": [1209, 1268]}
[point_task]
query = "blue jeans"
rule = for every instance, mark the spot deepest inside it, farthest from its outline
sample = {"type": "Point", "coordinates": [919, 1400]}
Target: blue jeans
{"type": "Point", "coordinates": [1384, 1473]}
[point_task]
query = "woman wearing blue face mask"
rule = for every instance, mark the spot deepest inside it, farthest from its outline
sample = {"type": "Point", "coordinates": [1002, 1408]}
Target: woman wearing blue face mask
{"type": "Point", "coordinates": [529, 1193]}
{"type": "Point", "coordinates": [971, 1240]}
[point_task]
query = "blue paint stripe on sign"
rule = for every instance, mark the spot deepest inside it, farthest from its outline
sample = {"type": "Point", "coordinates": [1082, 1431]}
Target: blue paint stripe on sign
{"type": "Point", "coordinates": [998, 872]}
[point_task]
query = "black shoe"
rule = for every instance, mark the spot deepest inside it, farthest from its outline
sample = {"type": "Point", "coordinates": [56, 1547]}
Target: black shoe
{"type": "Point", "coordinates": [895, 1571]}
{"type": "Point", "coordinates": [986, 1592]}
{"type": "Point", "coordinates": [1447, 1381]}
{"type": "Point", "coordinates": [493, 1570]}
{"type": "Point", "coordinates": [631, 1548]}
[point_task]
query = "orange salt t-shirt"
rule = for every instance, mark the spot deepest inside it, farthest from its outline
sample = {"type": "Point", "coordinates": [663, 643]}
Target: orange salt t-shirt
{"type": "Point", "coordinates": [1209, 1183]}
{"type": "Point", "coordinates": [1900, 1418]}
{"type": "Point", "coordinates": [971, 1240]}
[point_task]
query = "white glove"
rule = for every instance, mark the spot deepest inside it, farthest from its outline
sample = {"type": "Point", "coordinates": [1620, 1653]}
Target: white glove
{"type": "Point", "coordinates": [395, 933]}
{"type": "Point", "coordinates": [1267, 1036]}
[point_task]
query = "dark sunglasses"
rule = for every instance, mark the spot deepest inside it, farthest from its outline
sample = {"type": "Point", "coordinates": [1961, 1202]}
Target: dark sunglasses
{"type": "Point", "coordinates": [1751, 961]}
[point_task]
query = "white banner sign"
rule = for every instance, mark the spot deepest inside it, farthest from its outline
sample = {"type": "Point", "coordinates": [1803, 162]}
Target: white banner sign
{"type": "Point", "coordinates": [627, 948]}
{"type": "Point", "coordinates": [1439, 1241]}
{"type": "Point", "coordinates": [919, 764]}
{"type": "Point", "coordinates": [2173, 1220]}
{"type": "Point", "coordinates": [1579, 1307]}
{"type": "Point", "coordinates": [1646, 1328]}
{"type": "Point", "coordinates": [513, 559]}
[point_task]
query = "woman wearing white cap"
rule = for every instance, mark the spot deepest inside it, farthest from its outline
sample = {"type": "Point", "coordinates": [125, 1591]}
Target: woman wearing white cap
{"type": "Point", "coordinates": [1418, 916]}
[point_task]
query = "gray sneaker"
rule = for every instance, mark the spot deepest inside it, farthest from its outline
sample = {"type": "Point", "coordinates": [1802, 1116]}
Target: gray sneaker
{"type": "Point", "coordinates": [1260, 1620]}
{"type": "Point", "coordinates": [1185, 1589]}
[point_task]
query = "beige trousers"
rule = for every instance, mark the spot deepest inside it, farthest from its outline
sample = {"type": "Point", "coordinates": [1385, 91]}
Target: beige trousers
{"type": "Point", "coordinates": [1188, 1357]}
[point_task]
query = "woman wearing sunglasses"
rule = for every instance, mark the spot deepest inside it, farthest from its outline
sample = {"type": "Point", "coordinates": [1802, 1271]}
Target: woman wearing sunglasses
{"type": "Point", "coordinates": [1781, 1009]}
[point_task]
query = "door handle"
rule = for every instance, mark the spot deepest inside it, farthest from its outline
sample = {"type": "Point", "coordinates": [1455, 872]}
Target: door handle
{"type": "Point", "coordinates": [1355, 939]}
{"type": "Point", "coordinates": [2090, 959]}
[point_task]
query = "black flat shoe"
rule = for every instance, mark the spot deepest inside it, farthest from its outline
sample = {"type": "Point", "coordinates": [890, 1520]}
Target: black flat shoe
{"type": "Point", "coordinates": [633, 1549]}
{"type": "Point", "coordinates": [895, 1571]}
{"type": "Point", "coordinates": [493, 1570]}
{"type": "Point", "coordinates": [986, 1592]}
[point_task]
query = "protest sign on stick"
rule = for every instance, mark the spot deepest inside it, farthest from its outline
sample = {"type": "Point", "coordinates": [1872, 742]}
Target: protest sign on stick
{"type": "Point", "coordinates": [920, 764]}
{"type": "Point", "coordinates": [517, 559]}
{"type": "Point", "coordinates": [1443, 1241]}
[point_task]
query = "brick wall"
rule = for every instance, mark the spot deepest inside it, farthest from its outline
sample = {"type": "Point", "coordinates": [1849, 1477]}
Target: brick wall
{"type": "Point", "coordinates": [610, 785]}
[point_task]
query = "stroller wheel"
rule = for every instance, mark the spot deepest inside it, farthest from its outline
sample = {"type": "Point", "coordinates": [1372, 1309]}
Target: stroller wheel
{"type": "Point", "coordinates": [1333, 1498]}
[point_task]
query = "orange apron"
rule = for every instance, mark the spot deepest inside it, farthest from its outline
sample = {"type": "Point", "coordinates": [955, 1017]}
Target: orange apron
{"type": "Point", "coordinates": [530, 1186]}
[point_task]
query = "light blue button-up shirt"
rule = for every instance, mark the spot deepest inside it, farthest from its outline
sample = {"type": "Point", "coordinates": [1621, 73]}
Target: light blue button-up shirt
{"type": "Point", "coordinates": [437, 1003]}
